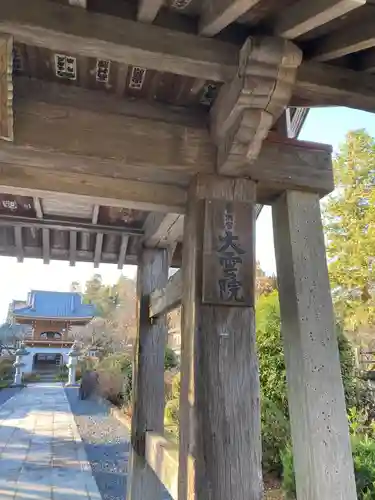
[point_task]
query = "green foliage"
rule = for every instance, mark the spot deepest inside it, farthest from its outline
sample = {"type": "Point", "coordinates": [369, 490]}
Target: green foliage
{"type": "Point", "coordinates": [172, 406]}
{"type": "Point", "coordinates": [270, 349]}
{"type": "Point", "coordinates": [349, 226]}
{"type": "Point", "coordinates": [289, 482]}
{"type": "Point", "coordinates": [6, 368]}
{"type": "Point", "coordinates": [274, 409]}
{"type": "Point", "coordinates": [170, 359]}
{"type": "Point", "coordinates": [362, 430]}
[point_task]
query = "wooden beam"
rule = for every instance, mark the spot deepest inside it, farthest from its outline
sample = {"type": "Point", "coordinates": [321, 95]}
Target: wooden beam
{"type": "Point", "coordinates": [366, 61]}
{"type": "Point", "coordinates": [83, 33]}
{"type": "Point", "coordinates": [31, 181]}
{"type": "Point", "coordinates": [317, 407]}
{"type": "Point", "coordinates": [355, 38]}
{"type": "Point", "coordinates": [218, 14]}
{"type": "Point", "coordinates": [95, 214]}
{"type": "Point", "coordinates": [73, 247]}
{"type": "Point", "coordinates": [144, 143]}
{"type": "Point", "coordinates": [38, 207]}
{"type": "Point", "coordinates": [148, 10]}
{"type": "Point", "coordinates": [18, 243]}
{"type": "Point", "coordinates": [6, 87]}
{"type": "Point", "coordinates": [323, 84]}
{"type": "Point", "coordinates": [123, 250]}
{"type": "Point", "coordinates": [56, 93]}
{"type": "Point", "coordinates": [98, 249]}
{"type": "Point", "coordinates": [218, 426]}
{"type": "Point", "coordinates": [162, 457]}
{"type": "Point", "coordinates": [148, 376]}
{"type": "Point", "coordinates": [46, 245]}
{"type": "Point", "coordinates": [304, 16]}
{"type": "Point", "coordinates": [162, 230]}
{"type": "Point", "coordinates": [78, 3]}
{"type": "Point", "coordinates": [64, 224]}
{"type": "Point", "coordinates": [168, 298]}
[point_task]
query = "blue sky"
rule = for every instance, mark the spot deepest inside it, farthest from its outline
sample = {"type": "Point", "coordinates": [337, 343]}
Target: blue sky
{"type": "Point", "coordinates": [327, 125]}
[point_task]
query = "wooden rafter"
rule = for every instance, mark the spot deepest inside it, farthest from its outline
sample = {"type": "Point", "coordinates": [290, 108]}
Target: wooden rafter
{"type": "Point", "coordinates": [367, 61]}
{"type": "Point", "coordinates": [18, 243]}
{"type": "Point", "coordinates": [78, 3]}
{"type": "Point", "coordinates": [6, 88]}
{"type": "Point", "coordinates": [323, 84]}
{"type": "Point", "coordinates": [218, 14]}
{"type": "Point", "coordinates": [84, 33]}
{"type": "Point", "coordinates": [38, 207]}
{"type": "Point", "coordinates": [98, 249]}
{"type": "Point", "coordinates": [46, 245]}
{"type": "Point", "coordinates": [346, 41]}
{"type": "Point", "coordinates": [123, 250]}
{"type": "Point", "coordinates": [95, 214]}
{"type": "Point", "coordinates": [148, 10]}
{"type": "Point", "coordinates": [162, 230]}
{"type": "Point", "coordinates": [306, 15]}
{"type": "Point", "coordinates": [73, 247]}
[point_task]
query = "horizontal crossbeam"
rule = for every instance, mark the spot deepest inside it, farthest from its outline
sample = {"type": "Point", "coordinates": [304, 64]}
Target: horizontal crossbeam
{"type": "Point", "coordinates": [163, 301]}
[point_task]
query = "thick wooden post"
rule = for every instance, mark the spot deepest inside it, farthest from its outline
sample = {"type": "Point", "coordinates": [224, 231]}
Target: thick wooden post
{"type": "Point", "coordinates": [148, 375]}
{"type": "Point", "coordinates": [220, 444]}
{"type": "Point", "coordinates": [322, 455]}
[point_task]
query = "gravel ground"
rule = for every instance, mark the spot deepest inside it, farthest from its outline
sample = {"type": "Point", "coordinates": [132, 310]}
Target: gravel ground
{"type": "Point", "coordinates": [7, 393]}
{"type": "Point", "coordinates": [106, 443]}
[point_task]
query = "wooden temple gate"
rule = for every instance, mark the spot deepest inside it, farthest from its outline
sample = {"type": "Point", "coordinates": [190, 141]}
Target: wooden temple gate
{"type": "Point", "coordinates": [150, 132]}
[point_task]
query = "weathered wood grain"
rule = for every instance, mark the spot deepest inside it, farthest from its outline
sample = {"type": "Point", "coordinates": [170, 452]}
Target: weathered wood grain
{"type": "Point", "coordinates": [228, 253]}
{"type": "Point", "coordinates": [18, 243]}
{"type": "Point", "coordinates": [218, 14]}
{"type": "Point", "coordinates": [148, 375]}
{"type": "Point", "coordinates": [46, 245]}
{"type": "Point", "coordinates": [322, 455]}
{"type": "Point", "coordinates": [84, 33]}
{"type": "Point", "coordinates": [6, 88]}
{"type": "Point", "coordinates": [77, 97]}
{"type": "Point", "coordinates": [334, 86]}
{"type": "Point", "coordinates": [31, 181]}
{"type": "Point", "coordinates": [109, 136]}
{"type": "Point", "coordinates": [220, 448]}
{"type": "Point", "coordinates": [162, 457]}
{"type": "Point", "coordinates": [98, 249]}
{"type": "Point", "coordinates": [78, 3]}
{"type": "Point", "coordinates": [304, 15]}
{"type": "Point", "coordinates": [247, 107]}
{"type": "Point", "coordinates": [352, 39]}
{"type": "Point", "coordinates": [162, 230]}
{"type": "Point", "coordinates": [165, 299]}
{"type": "Point", "coordinates": [72, 248]}
{"type": "Point", "coordinates": [123, 249]}
{"type": "Point", "coordinates": [148, 10]}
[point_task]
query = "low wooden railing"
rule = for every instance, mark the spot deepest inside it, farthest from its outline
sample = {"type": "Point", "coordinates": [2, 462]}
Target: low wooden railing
{"type": "Point", "coordinates": [162, 457]}
{"type": "Point", "coordinates": [161, 454]}
{"type": "Point", "coordinates": [163, 301]}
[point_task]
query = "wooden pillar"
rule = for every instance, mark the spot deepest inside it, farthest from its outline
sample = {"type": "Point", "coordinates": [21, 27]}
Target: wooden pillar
{"type": "Point", "coordinates": [321, 446]}
{"type": "Point", "coordinates": [220, 444]}
{"type": "Point", "coordinates": [148, 375]}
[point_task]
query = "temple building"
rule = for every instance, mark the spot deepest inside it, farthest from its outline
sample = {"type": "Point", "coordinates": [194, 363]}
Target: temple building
{"type": "Point", "coordinates": [53, 317]}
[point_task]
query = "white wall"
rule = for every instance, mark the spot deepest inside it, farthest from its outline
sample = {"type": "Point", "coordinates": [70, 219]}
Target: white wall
{"type": "Point", "coordinates": [28, 360]}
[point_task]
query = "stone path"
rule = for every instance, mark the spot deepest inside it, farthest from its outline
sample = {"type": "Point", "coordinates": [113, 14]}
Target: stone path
{"type": "Point", "coordinates": [106, 443]}
{"type": "Point", "coordinates": [41, 453]}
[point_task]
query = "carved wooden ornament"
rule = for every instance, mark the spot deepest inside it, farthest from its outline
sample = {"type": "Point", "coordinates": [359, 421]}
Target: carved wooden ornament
{"type": "Point", "coordinates": [6, 88]}
{"type": "Point", "coordinates": [247, 107]}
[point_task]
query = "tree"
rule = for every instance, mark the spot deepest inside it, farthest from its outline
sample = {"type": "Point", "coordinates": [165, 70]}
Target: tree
{"type": "Point", "coordinates": [349, 220]}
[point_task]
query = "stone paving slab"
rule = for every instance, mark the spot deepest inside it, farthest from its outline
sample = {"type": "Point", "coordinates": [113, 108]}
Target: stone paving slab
{"type": "Point", "coordinates": [41, 452]}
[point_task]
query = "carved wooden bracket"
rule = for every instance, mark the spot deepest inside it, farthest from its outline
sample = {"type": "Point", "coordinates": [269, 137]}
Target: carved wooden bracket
{"type": "Point", "coordinates": [247, 107]}
{"type": "Point", "coordinates": [6, 87]}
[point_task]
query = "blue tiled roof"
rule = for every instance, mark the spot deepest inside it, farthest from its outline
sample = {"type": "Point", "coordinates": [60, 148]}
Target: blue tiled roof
{"type": "Point", "coordinates": [64, 305]}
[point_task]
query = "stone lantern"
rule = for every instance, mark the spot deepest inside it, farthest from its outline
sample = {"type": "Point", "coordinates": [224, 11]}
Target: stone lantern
{"type": "Point", "coordinates": [18, 364]}
{"type": "Point", "coordinates": [72, 364]}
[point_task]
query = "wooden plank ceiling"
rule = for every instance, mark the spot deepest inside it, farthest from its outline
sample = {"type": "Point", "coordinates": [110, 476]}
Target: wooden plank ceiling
{"type": "Point", "coordinates": [175, 52]}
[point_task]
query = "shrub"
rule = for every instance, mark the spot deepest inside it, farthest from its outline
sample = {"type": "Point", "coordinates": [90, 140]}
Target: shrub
{"type": "Point", "coordinates": [172, 407]}
{"type": "Point", "coordinates": [6, 368]}
{"type": "Point", "coordinates": [170, 359]}
{"type": "Point", "coordinates": [363, 450]}
{"type": "Point", "coordinates": [275, 435]}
